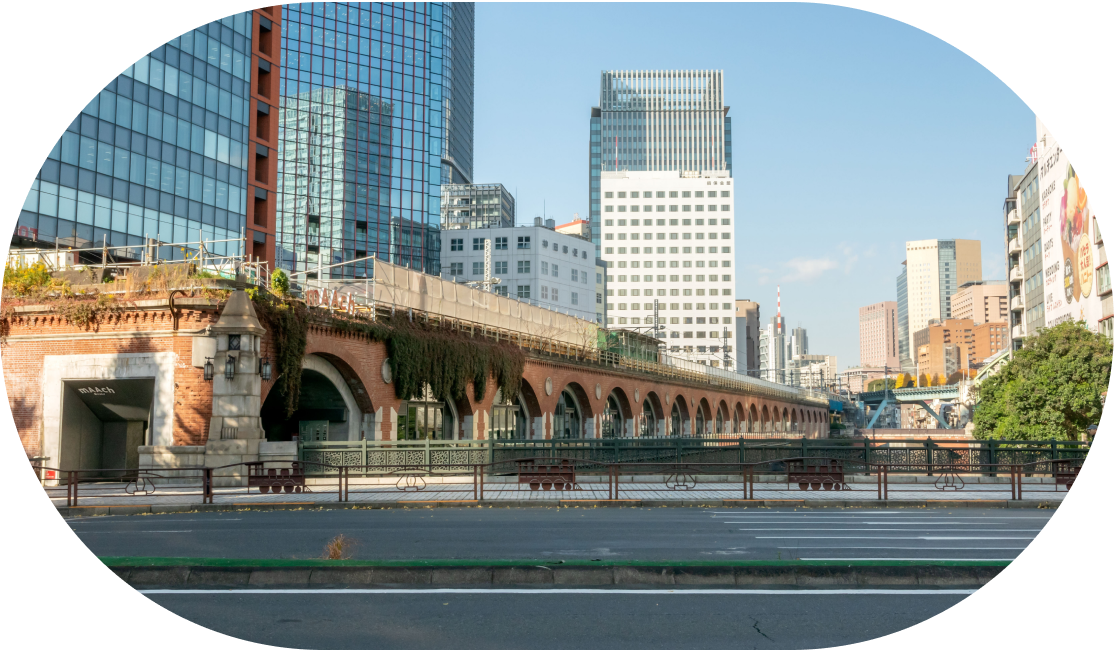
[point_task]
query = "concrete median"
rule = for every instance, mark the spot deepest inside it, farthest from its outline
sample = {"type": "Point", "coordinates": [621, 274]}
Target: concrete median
{"type": "Point", "coordinates": [209, 572]}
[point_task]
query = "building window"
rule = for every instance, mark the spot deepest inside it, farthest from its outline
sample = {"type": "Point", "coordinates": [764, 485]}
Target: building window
{"type": "Point", "coordinates": [545, 292]}
{"type": "Point", "coordinates": [555, 271]}
{"type": "Point", "coordinates": [523, 243]}
{"type": "Point", "coordinates": [456, 268]}
{"type": "Point", "coordinates": [477, 243]}
{"type": "Point", "coordinates": [545, 268]}
{"type": "Point", "coordinates": [524, 291]}
{"type": "Point", "coordinates": [608, 195]}
{"type": "Point", "coordinates": [608, 208]}
{"type": "Point", "coordinates": [500, 243]}
{"type": "Point", "coordinates": [554, 294]}
{"type": "Point", "coordinates": [523, 266]}
{"type": "Point", "coordinates": [574, 298]}
{"type": "Point", "coordinates": [456, 245]}
{"type": "Point", "coordinates": [477, 268]}
{"type": "Point", "coordinates": [575, 275]}
{"type": "Point", "coordinates": [501, 291]}
{"type": "Point", "coordinates": [500, 268]}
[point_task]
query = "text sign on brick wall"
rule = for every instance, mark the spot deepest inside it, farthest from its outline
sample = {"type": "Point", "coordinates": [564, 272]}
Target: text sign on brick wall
{"type": "Point", "coordinates": [331, 299]}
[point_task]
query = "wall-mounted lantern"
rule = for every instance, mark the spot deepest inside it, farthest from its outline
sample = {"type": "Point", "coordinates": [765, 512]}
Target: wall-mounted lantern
{"type": "Point", "coordinates": [208, 368]}
{"type": "Point", "coordinates": [265, 368]}
{"type": "Point", "coordinates": [230, 367]}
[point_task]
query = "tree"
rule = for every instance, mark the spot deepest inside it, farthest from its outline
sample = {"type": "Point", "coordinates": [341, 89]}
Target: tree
{"type": "Point", "coordinates": [280, 283]}
{"type": "Point", "coordinates": [1051, 388]}
{"type": "Point", "coordinates": [922, 381]}
{"type": "Point", "coordinates": [878, 384]}
{"type": "Point", "coordinates": [903, 381]}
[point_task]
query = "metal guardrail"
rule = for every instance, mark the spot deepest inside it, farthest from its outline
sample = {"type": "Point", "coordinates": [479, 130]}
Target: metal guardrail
{"type": "Point", "coordinates": [535, 473]}
{"type": "Point", "coordinates": [386, 456]}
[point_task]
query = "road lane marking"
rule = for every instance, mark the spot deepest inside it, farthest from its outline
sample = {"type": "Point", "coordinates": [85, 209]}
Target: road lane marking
{"type": "Point", "coordinates": [899, 530]}
{"type": "Point", "coordinates": [126, 532]}
{"type": "Point", "coordinates": [915, 559]}
{"type": "Point", "coordinates": [883, 537]}
{"type": "Point", "coordinates": [561, 592]}
{"type": "Point", "coordinates": [914, 548]}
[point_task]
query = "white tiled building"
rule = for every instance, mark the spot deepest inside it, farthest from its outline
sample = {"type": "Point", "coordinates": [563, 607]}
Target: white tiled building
{"type": "Point", "coordinates": [667, 235]}
{"type": "Point", "coordinates": [534, 264]}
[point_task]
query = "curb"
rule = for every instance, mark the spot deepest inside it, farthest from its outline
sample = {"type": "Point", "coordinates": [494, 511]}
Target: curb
{"type": "Point", "coordinates": [164, 572]}
{"type": "Point", "coordinates": [154, 509]}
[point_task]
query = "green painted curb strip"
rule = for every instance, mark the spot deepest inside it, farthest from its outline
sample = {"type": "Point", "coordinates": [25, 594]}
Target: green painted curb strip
{"type": "Point", "coordinates": [308, 563]}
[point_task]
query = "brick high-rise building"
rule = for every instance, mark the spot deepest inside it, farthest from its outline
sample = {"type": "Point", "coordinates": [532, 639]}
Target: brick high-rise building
{"type": "Point", "coordinates": [878, 342]}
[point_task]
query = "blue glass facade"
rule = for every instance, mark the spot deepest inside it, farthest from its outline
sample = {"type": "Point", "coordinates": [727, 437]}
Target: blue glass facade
{"type": "Point", "coordinates": [366, 130]}
{"type": "Point", "coordinates": [161, 152]}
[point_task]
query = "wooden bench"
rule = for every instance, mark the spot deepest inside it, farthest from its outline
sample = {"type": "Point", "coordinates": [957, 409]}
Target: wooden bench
{"type": "Point", "coordinates": [816, 473]}
{"type": "Point", "coordinates": [277, 480]}
{"type": "Point", "coordinates": [546, 477]}
{"type": "Point", "coordinates": [1065, 475]}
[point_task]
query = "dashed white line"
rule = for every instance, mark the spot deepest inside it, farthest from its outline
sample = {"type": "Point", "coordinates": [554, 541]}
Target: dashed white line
{"type": "Point", "coordinates": [562, 592]}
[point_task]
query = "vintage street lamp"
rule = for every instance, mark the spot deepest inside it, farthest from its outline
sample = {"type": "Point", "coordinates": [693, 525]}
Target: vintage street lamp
{"type": "Point", "coordinates": [265, 368]}
{"type": "Point", "coordinates": [230, 367]}
{"type": "Point", "coordinates": [208, 368]}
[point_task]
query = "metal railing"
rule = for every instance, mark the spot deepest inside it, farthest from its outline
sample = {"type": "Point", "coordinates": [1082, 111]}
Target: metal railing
{"type": "Point", "coordinates": [387, 456]}
{"type": "Point", "coordinates": [725, 479]}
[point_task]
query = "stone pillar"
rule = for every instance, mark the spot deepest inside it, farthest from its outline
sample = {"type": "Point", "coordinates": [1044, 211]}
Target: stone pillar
{"type": "Point", "coordinates": [235, 428]}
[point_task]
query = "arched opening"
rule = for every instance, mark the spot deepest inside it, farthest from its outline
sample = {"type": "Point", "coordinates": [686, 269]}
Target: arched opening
{"type": "Point", "coordinates": [324, 411]}
{"type": "Point", "coordinates": [700, 427]}
{"type": "Point", "coordinates": [427, 418]}
{"type": "Point", "coordinates": [568, 420]}
{"type": "Point", "coordinates": [611, 420]}
{"type": "Point", "coordinates": [509, 420]}
{"type": "Point", "coordinates": [793, 420]}
{"type": "Point", "coordinates": [752, 418]}
{"type": "Point", "coordinates": [648, 428]}
{"type": "Point", "coordinates": [784, 419]}
{"type": "Point", "coordinates": [678, 417]}
{"type": "Point", "coordinates": [720, 421]}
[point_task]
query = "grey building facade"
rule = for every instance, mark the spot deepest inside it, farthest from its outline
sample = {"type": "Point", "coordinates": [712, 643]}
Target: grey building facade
{"type": "Point", "coordinates": [488, 205]}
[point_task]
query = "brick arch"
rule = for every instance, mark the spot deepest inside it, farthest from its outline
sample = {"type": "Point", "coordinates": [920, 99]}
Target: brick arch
{"type": "Point", "coordinates": [682, 404]}
{"type": "Point", "coordinates": [655, 404]}
{"type": "Point", "coordinates": [767, 422]}
{"type": "Point", "coordinates": [530, 397]}
{"type": "Point", "coordinates": [581, 398]}
{"type": "Point", "coordinates": [739, 417]}
{"type": "Point", "coordinates": [358, 385]}
{"type": "Point", "coordinates": [753, 419]}
{"type": "Point", "coordinates": [624, 402]}
{"type": "Point", "coordinates": [725, 413]}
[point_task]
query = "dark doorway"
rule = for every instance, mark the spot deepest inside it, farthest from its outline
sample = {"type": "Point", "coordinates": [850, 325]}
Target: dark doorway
{"type": "Point", "coordinates": [104, 422]}
{"type": "Point", "coordinates": [321, 414]}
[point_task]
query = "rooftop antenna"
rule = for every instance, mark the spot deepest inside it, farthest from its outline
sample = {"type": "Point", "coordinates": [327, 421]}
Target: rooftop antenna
{"type": "Point", "coordinates": [779, 309]}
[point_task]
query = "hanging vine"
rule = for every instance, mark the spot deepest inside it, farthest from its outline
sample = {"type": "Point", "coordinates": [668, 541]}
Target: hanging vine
{"type": "Point", "coordinates": [418, 354]}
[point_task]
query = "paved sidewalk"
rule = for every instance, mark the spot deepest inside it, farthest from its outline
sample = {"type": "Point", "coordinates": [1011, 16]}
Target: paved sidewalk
{"type": "Point", "coordinates": [593, 492]}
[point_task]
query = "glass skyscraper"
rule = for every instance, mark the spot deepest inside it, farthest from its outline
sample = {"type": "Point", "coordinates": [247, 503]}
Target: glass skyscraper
{"type": "Point", "coordinates": [375, 114]}
{"type": "Point", "coordinates": [162, 152]}
{"type": "Point", "coordinates": [657, 120]}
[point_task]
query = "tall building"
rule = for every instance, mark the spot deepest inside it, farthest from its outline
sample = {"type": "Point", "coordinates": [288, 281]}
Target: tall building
{"type": "Point", "coordinates": [796, 343]}
{"type": "Point", "coordinates": [905, 356]}
{"type": "Point", "coordinates": [772, 347]}
{"type": "Point", "coordinates": [669, 235]}
{"type": "Point", "coordinates": [878, 335]}
{"type": "Point", "coordinates": [167, 151]}
{"type": "Point", "coordinates": [748, 324]}
{"type": "Point", "coordinates": [375, 114]}
{"type": "Point", "coordinates": [318, 132]}
{"type": "Point", "coordinates": [656, 120]}
{"type": "Point", "coordinates": [815, 371]}
{"type": "Point", "coordinates": [982, 302]}
{"type": "Point", "coordinates": [476, 206]}
{"type": "Point", "coordinates": [1024, 261]}
{"type": "Point", "coordinates": [945, 346]}
{"type": "Point", "coordinates": [934, 270]}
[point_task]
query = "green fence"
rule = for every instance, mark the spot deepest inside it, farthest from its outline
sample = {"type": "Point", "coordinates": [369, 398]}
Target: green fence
{"type": "Point", "coordinates": [902, 456]}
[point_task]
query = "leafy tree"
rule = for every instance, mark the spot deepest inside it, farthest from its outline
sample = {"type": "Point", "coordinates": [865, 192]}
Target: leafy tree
{"type": "Point", "coordinates": [280, 283]}
{"type": "Point", "coordinates": [922, 381]}
{"type": "Point", "coordinates": [877, 384]}
{"type": "Point", "coordinates": [1050, 389]}
{"type": "Point", "coordinates": [903, 381]}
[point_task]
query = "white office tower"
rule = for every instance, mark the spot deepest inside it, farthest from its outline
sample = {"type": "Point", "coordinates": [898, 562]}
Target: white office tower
{"type": "Point", "coordinates": [666, 208]}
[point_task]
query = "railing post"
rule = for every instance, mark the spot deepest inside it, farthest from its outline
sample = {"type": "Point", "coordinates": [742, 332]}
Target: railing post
{"type": "Point", "coordinates": [207, 485]}
{"type": "Point", "coordinates": [428, 457]}
{"type": "Point", "coordinates": [992, 445]}
{"type": "Point", "coordinates": [1053, 441]}
{"type": "Point", "coordinates": [71, 489]}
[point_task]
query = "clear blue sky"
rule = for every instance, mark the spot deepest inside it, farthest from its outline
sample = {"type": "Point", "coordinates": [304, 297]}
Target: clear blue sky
{"type": "Point", "coordinates": [852, 134]}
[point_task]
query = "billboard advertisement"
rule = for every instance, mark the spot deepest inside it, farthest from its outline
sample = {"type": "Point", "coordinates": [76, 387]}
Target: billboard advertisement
{"type": "Point", "coordinates": [1067, 238]}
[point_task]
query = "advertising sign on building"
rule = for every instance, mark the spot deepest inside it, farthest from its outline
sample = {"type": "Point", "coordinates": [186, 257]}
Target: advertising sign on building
{"type": "Point", "coordinates": [1067, 238]}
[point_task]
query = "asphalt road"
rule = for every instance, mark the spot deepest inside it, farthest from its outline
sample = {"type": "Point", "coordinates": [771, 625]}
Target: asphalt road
{"type": "Point", "coordinates": [575, 533]}
{"type": "Point", "coordinates": [556, 620]}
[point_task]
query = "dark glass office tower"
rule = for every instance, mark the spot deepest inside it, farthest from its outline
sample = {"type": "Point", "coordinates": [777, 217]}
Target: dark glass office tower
{"type": "Point", "coordinates": [161, 152]}
{"type": "Point", "coordinates": [376, 110]}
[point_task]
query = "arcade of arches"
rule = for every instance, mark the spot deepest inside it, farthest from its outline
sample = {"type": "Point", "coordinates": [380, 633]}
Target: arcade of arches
{"type": "Point", "coordinates": [555, 401]}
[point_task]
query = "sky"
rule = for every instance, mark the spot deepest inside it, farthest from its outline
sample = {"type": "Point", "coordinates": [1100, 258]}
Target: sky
{"type": "Point", "coordinates": [852, 134]}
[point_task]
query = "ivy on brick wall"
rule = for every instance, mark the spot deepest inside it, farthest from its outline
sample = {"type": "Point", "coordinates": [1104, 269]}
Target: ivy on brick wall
{"type": "Point", "coordinates": [418, 353]}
